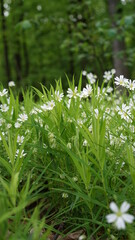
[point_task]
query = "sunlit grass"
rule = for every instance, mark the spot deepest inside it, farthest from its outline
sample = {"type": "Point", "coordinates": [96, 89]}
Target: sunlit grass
{"type": "Point", "coordinates": [64, 158]}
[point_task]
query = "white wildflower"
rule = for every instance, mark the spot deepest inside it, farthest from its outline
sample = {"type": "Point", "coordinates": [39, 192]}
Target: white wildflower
{"type": "Point", "coordinates": [80, 122]}
{"type": "Point", "coordinates": [87, 91]}
{"type": "Point", "coordinates": [58, 96]}
{"type": "Point", "coordinates": [2, 121]}
{"type": "Point", "coordinates": [20, 139]}
{"type": "Point", "coordinates": [119, 217]}
{"type": "Point", "coordinates": [11, 84]}
{"type": "Point", "coordinates": [124, 112]}
{"type": "Point", "coordinates": [107, 75]}
{"type": "Point", "coordinates": [75, 179]}
{"type": "Point", "coordinates": [85, 143]}
{"type": "Point", "coordinates": [90, 128]}
{"type": "Point", "coordinates": [109, 90]}
{"type": "Point", "coordinates": [35, 111]}
{"type": "Point", "coordinates": [64, 195]}
{"type": "Point", "coordinates": [72, 93]}
{"type": "Point", "coordinates": [84, 73]}
{"type": "Point", "coordinates": [17, 125]}
{"type": "Point", "coordinates": [91, 77]}
{"type": "Point", "coordinates": [4, 107]}
{"type": "Point", "coordinates": [122, 81]}
{"type": "Point", "coordinates": [22, 154]}
{"type": "Point", "coordinates": [9, 125]}
{"type": "Point", "coordinates": [113, 71]}
{"type": "Point", "coordinates": [3, 92]}
{"type": "Point", "coordinates": [131, 85]}
{"type": "Point", "coordinates": [44, 107]}
{"type": "Point", "coordinates": [22, 117]}
{"type": "Point", "coordinates": [50, 105]}
{"type": "Point", "coordinates": [83, 114]}
{"type": "Point", "coordinates": [107, 110]}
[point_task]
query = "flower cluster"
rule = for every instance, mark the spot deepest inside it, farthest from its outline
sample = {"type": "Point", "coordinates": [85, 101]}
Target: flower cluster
{"type": "Point", "coordinates": [124, 82]}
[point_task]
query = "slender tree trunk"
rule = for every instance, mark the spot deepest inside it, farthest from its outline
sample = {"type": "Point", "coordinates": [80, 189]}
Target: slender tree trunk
{"type": "Point", "coordinates": [70, 32]}
{"type": "Point", "coordinates": [26, 55]}
{"type": "Point", "coordinates": [118, 46]}
{"type": "Point", "coordinates": [71, 61]}
{"type": "Point", "coordinates": [18, 61]}
{"type": "Point", "coordinates": [5, 42]}
{"type": "Point", "coordinates": [16, 18]}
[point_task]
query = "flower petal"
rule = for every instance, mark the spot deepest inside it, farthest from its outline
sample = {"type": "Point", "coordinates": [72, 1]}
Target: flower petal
{"type": "Point", "coordinates": [128, 217]}
{"type": "Point", "coordinates": [124, 207]}
{"type": "Point", "coordinates": [120, 224]}
{"type": "Point", "coordinates": [114, 207]}
{"type": "Point", "coordinates": [111, 218]}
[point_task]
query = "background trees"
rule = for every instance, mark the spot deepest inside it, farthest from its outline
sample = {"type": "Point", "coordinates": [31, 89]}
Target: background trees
{"type": "Point", "coordinates": [40, 42]}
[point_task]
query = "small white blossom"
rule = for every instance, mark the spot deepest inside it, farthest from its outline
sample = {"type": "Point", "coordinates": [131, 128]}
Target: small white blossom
{"type": "Point", "coordinates": [2, 121]}
{"type": "Point", "coordinates": [90, 128]}
{"type": "Point", "coordinates": [124, 112]}
{"type": "Point", "coordinates": [17, 125]}
{"type": "Point", "coordinates": [44, 107]}
{"type": "Point", "coordinates": [72, 93]}
{"type": "Point", "coordinates": [113, 71]}
{"type": "Point", "coordinates": [85, 143]}
{"type": "Point", "coordinates": [80, 122]}
{"type": "Point", "coordinates": [50, 105]}
{"type": "Point", "coordinates": [75, 179]}
{"type": "Point", "coordinates": [87, 91]}
{"type": "Point", "coordinates": [22, 117]}
{"type": "Point", "coordinates": [131, 85]}
{"type": "Point", "coordinates": [4, 107]}
{"type": "Point", "coordinates": [58, 96]}
{"type": "Point", "coordinates": [119, 215]}
{"type": "Point", "coordinates": [3, 92]}
{"type": "Point", "coordinates": [35, 111]}
{"type": "Point", "coordinates": [84, 73]}
{"type": "Point", "coordinates": [20, 139]}
{"type": "Point", "coordinates": [107, 110]}
{"type": "Point", "coordinates": [22, 153]}
{"type": "Point", "coordinates": [11, 84]}
{"type": "Point", "coordinates": [107, 75]}
{"type": "Point", "coordinates": [83, 114]}
{"type": "Point", "coordinates": [109, 90]}
{"type": "Point", "coordinates": [122, 81]}
{"type": "Point", "coordinates": [91, 77]}
{"type": "Point", "coordinates": [64, 195]}
{"type": "Point", "coordinates": [9, 125]}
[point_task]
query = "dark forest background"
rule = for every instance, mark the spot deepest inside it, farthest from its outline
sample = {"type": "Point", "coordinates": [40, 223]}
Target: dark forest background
{"type": "Point", "coordinates": [41, 41]}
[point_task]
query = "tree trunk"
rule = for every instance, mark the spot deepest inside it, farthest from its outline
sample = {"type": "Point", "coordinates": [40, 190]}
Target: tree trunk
{"type": "Point", "coordinates": [118, 46]}
{"type": "Point", "coordinates": [5, 43]}
{"type": "Point", "coordinates": [71, 54]}
{"type": "Point", "coordinates": [26, 55]}
{"type": "Point", "coordinates": [16, 18]}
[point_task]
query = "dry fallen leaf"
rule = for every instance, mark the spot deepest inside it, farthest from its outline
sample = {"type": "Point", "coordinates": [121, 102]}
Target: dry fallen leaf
{"type": "Point", "coordinates": [73, 236]}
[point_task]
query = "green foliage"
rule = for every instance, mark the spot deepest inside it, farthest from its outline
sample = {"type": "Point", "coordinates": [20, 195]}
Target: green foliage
{"type": "Point", "coordinates": [63, 159]}
{"type": "Point", "coordinates": [51, 38]}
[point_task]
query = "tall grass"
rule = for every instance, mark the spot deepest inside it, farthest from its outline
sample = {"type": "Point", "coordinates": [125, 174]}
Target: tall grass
{"type": "Point", "coordinates": [63, 159]}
